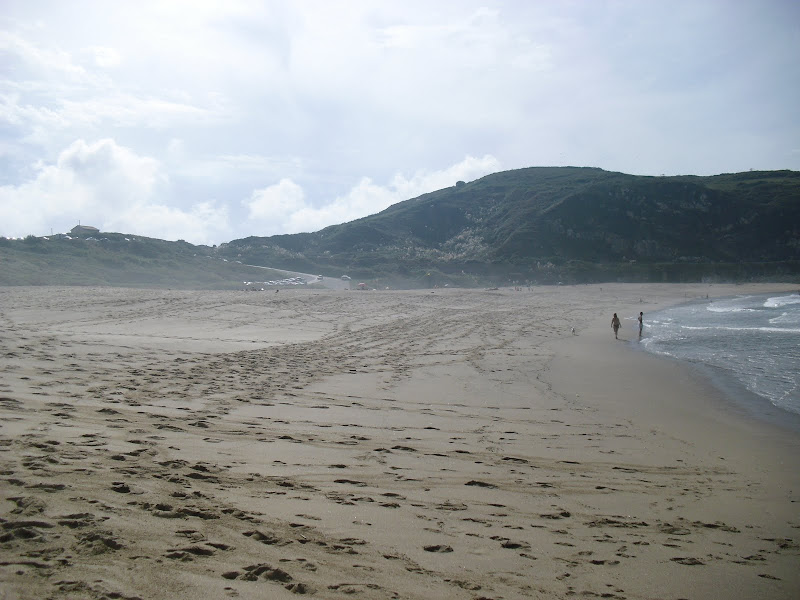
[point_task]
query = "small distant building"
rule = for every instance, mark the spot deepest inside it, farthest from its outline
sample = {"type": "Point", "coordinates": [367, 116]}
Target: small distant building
{"type": "Point", "coordinates": [84, 230]}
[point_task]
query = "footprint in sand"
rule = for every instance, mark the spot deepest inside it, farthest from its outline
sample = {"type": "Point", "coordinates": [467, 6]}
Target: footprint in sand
{"type": "Point", "coordinates": [269, 573]}
{"type": "Point", "coordinates": [687, 560]}
{"type": "Point", "coordinates": [267, 538]}
{"type": "Point", "coordinates": [438, 548]}
{"type": "Point", "coordinates": [99, 542]}
{"type": "Point", "coordinates": [28, 505]}
{"type": "Point", "coordinates": [190, 552]}
{"type": "Point", "coordinates": [24, 530]}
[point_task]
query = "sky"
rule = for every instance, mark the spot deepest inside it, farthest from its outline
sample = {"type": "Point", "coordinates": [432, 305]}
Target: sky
{"type": "Point", "coordinates": [212, 121]}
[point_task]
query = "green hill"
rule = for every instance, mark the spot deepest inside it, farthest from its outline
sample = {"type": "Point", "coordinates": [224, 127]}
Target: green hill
{"type": "Point", "coordinates": [539, 225]}
{"type": "Point", "coordinates": [116, 259]}
{"type": "Point", "coordinates": [573, 224]}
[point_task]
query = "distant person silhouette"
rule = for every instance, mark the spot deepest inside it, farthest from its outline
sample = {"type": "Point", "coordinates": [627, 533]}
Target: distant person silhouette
{"type": "Point", "coordinates": [641, 323]}
{"type": "Point", "coordinates": [615, 325]}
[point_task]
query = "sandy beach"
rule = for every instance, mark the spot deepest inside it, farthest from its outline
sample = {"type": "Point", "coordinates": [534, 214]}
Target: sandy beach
{"type": "Point", "coordinates": [379, 444]}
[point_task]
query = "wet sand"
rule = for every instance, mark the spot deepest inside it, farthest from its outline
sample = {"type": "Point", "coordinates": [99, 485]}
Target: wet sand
{"type": "Point", "coordinates": [342, 444]}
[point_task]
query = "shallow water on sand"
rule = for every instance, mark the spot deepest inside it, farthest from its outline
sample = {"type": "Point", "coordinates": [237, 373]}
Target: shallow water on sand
{"type": "Point", "coordinates": [754, 339]}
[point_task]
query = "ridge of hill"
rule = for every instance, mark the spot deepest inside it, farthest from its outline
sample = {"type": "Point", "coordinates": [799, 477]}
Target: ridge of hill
{"type": "Point", "coordinates": [564, 223]}
{"type": "Point", "coordinates": [533, 225]}
{"type": "Point", "coordinates": [122, 260]}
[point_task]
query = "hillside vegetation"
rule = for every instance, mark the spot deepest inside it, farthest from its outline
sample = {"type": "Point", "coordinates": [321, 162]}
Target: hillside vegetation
{"type": "Point", "coordinates": [535, 225]}
{"type": "Point", "coordinates": [563, 224]}
{"type": "Point", "coordinates": [115, 259]}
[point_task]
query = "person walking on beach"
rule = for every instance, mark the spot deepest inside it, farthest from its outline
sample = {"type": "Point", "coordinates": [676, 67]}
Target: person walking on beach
{"type": "Point", "coordinates": [641, 323]}
{"type": "Point", "coordinates": [615, 325]}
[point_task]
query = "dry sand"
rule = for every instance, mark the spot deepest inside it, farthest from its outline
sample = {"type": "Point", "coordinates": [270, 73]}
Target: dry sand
{"type": "Point", "coordinates": [447, 444]}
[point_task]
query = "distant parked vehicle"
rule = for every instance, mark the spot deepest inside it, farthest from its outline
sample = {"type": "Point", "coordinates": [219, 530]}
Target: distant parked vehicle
{"type": "Point", "coordinates": [345, 278]}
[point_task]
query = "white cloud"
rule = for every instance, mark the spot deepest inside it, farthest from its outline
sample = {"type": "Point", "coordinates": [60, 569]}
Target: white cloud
{"type": "Point", "coordinates": [283, 208]}
{"type": "Point", "coordinates": [43, 122]}
{"type": "Point", "coordinates": [104, 57]}
{"type": "Point", "coordinates": [128, 110]}
{"type": "Point", "coordinates": [110, 187]}
{"type": "Point", "coordinates": [36, 122]}
{"type": "Point", "coordinates": [465, 67]}
{"type": "Point", "coordinates": [248, 169]}
{"type": "Point", "coordinates": [55, 95]}
{"type": "Point", "coordinates": [276, 203]}
{"type": "Point", "coordinates": [251, 162]}
{"type": "Point", "coordinates": [476, 41]}
{"type": "Point", "coordinates": [47, 62]}
{"type": "Point", "coordinates": [202, 223]}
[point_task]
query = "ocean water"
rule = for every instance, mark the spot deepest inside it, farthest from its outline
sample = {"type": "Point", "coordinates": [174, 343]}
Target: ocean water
{"type": "Point", "coordinates": [754, 339]}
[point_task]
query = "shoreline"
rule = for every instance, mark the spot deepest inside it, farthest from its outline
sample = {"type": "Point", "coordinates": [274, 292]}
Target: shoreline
{"type": "Point", "coordinates": [450, 443]}
{"type": "Point", "coordinates": [740, 398]}
{"type": "Point", "coordinates": [691, 419]}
